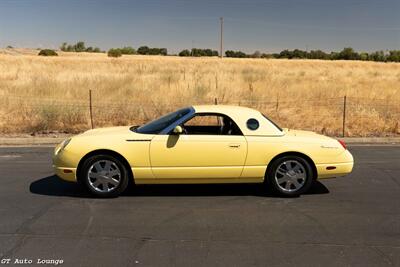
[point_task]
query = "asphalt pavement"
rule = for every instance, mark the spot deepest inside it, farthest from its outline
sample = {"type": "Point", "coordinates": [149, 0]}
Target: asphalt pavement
{"type": "Point", "coordinates": [347, 221]}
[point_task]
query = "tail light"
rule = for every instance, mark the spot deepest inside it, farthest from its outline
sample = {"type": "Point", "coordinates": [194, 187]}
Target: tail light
{"type": "Point", "coordinates": [343, 144]}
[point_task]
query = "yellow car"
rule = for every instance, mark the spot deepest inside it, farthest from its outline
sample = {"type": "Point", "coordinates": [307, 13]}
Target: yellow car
{"type": "Point", "coordinates": [201, 144]}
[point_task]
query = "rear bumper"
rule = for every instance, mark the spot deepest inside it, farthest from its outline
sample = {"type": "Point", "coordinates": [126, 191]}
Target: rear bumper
{"type": "Point", "coordinates": [341, 169]}
{"type": "Point", "coordinates": [67, 174]}
{"type": "Point", "coordinates": [343, 165]}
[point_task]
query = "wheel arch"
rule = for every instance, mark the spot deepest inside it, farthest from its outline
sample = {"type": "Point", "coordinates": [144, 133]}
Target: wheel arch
{"type": "Point", "coordinates": [105, 152]}
{"type": "Point", "coordinates": [294, 153]}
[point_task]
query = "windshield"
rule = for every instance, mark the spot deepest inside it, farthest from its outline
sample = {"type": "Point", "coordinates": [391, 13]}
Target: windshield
{"type": "Point", "coordinates": [276, 125]}
{"type": "Point", "coordinates": [156, 126]}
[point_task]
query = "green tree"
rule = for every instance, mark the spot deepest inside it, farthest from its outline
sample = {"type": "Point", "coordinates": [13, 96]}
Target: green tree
{"type": "Point", "coordinates": [114, 52]}
{"type": "Point", "coordinates": [79, 46]}
{"type": "Point", "coordinates": [143, 50]}
{"type": "Point", "coordinates": [317, 54]}
{"type": "Point", "coordinates": [348, 53]}
{"type": "Point", "coordinates": [364, 56]}
{"type": "Point", "coordinates": [184, 53]}
{"type": "Point", "coordinates": [237, 54]}
{"type": "Point", "coordinates": [63, 47]}
{"type": "Point", "coordinates": [394, 56]}
{"type": "Point", "coordinates": [377, 56]}
{"type": "Point", "coordinates": [256, 54]}
{"type": "Point", "coordinates": [163, 51]}
{"type": "Point", "coordinates": [70, 48]}
{"type": "Point", "coordinates": [128, 50]}
{"type": "Point", "coordinates": [285, 54]}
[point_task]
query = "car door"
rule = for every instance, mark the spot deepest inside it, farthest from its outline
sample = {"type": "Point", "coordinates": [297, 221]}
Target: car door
{"type": "Point", "coordinates": [203, 152]}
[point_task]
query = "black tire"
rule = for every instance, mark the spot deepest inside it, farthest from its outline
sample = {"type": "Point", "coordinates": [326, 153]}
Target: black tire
{"type": "Point", "coordinates": [115, 191]}
{"type": "Point", "coordinates": [288, 189]}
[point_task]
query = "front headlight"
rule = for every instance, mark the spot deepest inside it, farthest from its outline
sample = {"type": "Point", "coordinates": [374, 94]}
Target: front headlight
{"type": "Point", "coordinates": [62, 145]}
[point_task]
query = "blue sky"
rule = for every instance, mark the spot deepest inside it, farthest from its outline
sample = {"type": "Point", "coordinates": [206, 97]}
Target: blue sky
{"type": "Point", "coordinates": [264, 25]}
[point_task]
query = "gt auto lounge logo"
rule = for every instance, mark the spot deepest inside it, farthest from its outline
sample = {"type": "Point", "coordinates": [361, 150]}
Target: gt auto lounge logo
{"type": "Point", "coordinates": [24, 261]}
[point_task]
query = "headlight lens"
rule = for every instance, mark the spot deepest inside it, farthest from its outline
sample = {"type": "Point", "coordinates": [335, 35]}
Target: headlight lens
{"type": "Point", "coordinates": [62, 145]}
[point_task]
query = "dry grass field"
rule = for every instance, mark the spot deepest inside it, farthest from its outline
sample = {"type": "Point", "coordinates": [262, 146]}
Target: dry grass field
{"type": "Point", "coordinates": [42, 94]}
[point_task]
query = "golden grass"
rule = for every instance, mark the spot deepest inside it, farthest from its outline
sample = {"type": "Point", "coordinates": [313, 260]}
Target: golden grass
{"type": "Point", "coordinates": [51, 94]}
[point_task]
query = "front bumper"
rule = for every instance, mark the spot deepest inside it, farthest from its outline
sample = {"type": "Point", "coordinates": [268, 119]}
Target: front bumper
{"type": "Point", "coordinates": [64, 164]}
{"type": "Point", "coordinates": [67, 174]}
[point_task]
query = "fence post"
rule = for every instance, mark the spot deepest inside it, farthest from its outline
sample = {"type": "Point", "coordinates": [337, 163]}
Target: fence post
{"type": "Point", "coordinates": [344, 115]}
{"type": "Point", "coordinates": [90, 108]}
{"type": "Point", "coordinates": [215, 101]}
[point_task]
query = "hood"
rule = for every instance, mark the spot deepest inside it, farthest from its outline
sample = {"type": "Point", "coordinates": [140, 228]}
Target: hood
{"type": "Point", "coordinates": [108, 130]}
{"type": "Point", "coordinates": [122, 131]}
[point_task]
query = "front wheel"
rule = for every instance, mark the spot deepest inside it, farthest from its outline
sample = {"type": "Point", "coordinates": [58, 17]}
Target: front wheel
{"type": "Point", "coordinates": [104, 176]}
{"type": "Point", "coordinates": [290, 176]}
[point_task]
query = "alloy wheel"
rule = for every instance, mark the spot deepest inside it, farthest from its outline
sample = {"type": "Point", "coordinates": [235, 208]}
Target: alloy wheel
{"type": "Point", "coordinates": [290, 176]}
{"type": "Point", "coordinates": [104, 176]}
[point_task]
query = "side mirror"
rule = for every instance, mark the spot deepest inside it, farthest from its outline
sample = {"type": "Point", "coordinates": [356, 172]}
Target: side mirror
{"type": "Point", "coordinates": [178, 130]}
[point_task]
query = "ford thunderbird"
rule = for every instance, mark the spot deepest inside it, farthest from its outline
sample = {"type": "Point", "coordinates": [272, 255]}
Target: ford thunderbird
{"type": "Point", "coordinates": [201, 144]}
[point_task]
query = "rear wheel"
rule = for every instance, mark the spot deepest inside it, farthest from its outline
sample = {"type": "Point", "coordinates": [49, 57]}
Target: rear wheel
{"type": "Point", "coordinates": [104, 176]}
{"type": "Point", "coordinates": [290, 176]}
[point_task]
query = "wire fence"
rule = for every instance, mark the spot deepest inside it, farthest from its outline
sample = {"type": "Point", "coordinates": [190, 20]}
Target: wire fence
{"type": "Point", "coordinates": [339, 116]}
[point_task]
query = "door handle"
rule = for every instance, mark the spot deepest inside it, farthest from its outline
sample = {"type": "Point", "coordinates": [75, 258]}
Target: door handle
{"type": "Point", "coordinates": [234, 145]}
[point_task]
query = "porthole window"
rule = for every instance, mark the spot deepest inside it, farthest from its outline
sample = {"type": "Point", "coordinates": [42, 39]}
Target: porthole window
{"type": "Point", "coordinates": [253, 124]}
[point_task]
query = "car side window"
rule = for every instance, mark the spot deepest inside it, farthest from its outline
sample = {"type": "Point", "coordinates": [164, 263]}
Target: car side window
{"type": "Point", "coordinates": [211, 124]}
{"type": "Point", "coordinates": [252, 124]}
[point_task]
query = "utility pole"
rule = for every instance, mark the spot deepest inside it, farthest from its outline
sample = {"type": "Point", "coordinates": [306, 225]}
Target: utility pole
{"type": "Point", "coordinates": [221, 40]}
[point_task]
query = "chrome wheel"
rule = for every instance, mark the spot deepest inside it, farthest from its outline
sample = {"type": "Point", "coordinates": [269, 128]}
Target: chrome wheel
{"type": "Point", "coordinates": [104, 176]}
{"type": "Point", "coordinates": [290, 176]}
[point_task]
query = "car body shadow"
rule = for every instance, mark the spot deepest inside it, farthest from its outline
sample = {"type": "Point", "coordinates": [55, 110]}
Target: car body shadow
{"type": "Point", "coordinates": [54, 186]}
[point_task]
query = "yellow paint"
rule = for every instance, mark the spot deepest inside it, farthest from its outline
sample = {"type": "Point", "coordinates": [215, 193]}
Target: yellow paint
{"type": "Point", "coordinates": [206, 158]}
{"type": "Point", "coordinates": [197, 156]}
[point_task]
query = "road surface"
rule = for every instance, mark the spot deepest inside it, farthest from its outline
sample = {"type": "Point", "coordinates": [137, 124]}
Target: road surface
{"type": "Point", "coordinates": [348, 221]}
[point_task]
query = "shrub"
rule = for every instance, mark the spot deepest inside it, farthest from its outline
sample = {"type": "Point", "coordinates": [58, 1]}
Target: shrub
{"type": "Point", "coordinates": [114, 52]}
{"type": "Point", "coordinates": [47, 52]}
{"type": "Point", "coordinates": [48, 117]}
